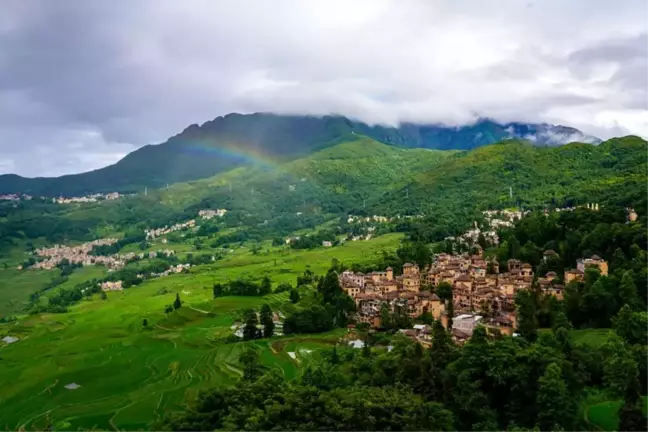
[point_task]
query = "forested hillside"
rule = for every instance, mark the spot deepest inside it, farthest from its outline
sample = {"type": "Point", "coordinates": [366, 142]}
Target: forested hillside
{"type": "Point", "coordinates": [248, 140]}
{"type": "Point", "coordinates": [172, 335]}
{"type": "Point", "coordinates": [362, 176]}
{"type": "Point", "coordinates": [515, 173]}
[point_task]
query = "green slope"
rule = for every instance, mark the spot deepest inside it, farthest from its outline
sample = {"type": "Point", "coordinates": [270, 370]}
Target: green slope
{"type": "Point", "coordinates": [335, 179]}
{"type": "Point", "coordinates": [363, 175]}
{"type": "Point", "coordinates": [615, 171]}
{"type": "Point", "coordinates": [327, 183]}
{"type": "Point", "coordinates": [240, 140]}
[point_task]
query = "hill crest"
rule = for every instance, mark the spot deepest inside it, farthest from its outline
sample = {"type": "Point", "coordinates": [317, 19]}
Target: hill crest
{"type": "Point", "coordinates": [243, 139]}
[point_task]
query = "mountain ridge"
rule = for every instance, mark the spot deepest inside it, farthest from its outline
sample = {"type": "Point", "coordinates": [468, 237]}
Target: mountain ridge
{"type": "Point", "coordinates": [233, 140]}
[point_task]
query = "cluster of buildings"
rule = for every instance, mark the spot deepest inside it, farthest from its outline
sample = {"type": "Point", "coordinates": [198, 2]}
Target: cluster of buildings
{"type": "Point", "coordinates": [579, 272]}
{"type": "Point", "coordinates": [277, 319]}
{"type": "Point", "coordinates": [209, 214]}
{"type": "Point", "coordinates": [81, 255]}
{"type": "Point", "coordinates": [374, 218]}
{"type": "Point", "coordinates": [171, 270]}
{"type": "Point", "coordinates": [478, 287]}
{"type": "Point", "coordinates": [379, 219]}
{"type": "Point", "coordinates": [157, 232]}
{"type": "Point", "coordinates": [373, 290]}
{"type": "Point", "coordinates": [588, 206]}
{"type": "Point", "coordinates": [15, 197]}
{"type": "Point", "coordinates": [75, 255]}
{"type": "Point", "coordinates": [118, 285]}
{"type": "Point", "coordinates": [367, 236]}
{"type": "Point", "coordinates": [493, 221]}
{"type": "Point", "coordinates": [87, 199]}
{"type": "Point", "coordinates": [111, 286]}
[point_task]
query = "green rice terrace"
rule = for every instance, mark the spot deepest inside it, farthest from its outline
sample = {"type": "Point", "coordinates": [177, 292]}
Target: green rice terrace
{"type": "Point", "coordinates": [98, 367]}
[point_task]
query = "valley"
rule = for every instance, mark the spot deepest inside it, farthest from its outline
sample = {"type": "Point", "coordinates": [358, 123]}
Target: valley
{"type": "Point", "coordinates": [129, 375]}
{"type": "Point", "coordinates": [136, 334]}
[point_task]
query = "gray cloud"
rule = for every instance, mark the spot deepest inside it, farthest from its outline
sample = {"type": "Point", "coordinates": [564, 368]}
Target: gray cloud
{"type": "Point", "coordinates": [83, 83]}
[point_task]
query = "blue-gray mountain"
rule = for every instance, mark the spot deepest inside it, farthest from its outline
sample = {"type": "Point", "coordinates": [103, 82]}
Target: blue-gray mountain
{"type": "Point", "coordinates": [223, 143]}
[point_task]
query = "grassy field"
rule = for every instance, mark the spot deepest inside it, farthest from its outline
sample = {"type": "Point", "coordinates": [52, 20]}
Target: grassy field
{"type": "Point", "coordinates": [130, 375]}
{"type": "Point", "coordinates": [16, 285]}
{"type": "Point", "coordinates": [592, 337]}
{"type": "Point", "coordinates": [604, 415]}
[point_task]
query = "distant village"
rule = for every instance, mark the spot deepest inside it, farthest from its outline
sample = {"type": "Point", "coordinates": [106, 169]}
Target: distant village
{"type": "Point", "coordinates": [15, 197]}
{"type": "Point", "coordinates": [81, 254]}
{"type": "Point", "coordinates": [87, 199]}
{"type": "Point", "coordinates": [495, 220]}
{"type": "Point", "coordinates": [481, 294]}
{"type": "Point", "coordinates": [51, 257]}
{"type": "Point", "coordinates": [203, 214]}
{"type": "Point", "coordinates": [64, 200]}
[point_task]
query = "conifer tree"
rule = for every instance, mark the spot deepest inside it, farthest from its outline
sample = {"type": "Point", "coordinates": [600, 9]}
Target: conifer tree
{"type": "Point", "coordinates": [555, 407]}
{"type": "Point", "coordinates": [294, 296]}
{"type": "Point", "coordinates": [628, 291]}
{"type": "Point", "coordinates": [250, 330]}
{"type": "Point", "coordinates": [266, 320]}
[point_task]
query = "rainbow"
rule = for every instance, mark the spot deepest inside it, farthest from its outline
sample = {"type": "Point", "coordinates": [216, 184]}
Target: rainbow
{"type": "Point", "coordinates": [236, 151]}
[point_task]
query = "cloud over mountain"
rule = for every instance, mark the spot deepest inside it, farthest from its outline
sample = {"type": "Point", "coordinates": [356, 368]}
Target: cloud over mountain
{"type": "Point", "coordinates": [84, 83]}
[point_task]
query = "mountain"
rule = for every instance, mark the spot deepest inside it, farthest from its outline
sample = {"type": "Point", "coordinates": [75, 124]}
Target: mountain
{"type": "Point", "coordinates": [363, 176]}
{"type": "Point", "coordinates": [242, 140]}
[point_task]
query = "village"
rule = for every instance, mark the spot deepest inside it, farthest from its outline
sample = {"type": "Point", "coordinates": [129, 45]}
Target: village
{"type": "Point", "coordinates": [81, 254]}
{"type": "Point", "coordinates": [482, 292]}
{"type": "Point", "coordinates": [87, 199]}
{"type": "Point", "coordinates": [15, 197]}
{"type": "Point", "coordinates": [190, 224]}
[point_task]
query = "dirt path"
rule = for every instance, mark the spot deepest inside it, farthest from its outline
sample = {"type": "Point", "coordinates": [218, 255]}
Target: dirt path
{"type": "Point", "coordinates": [49, 388]}
{"type": "Point", "coordinates": [199, 310]}
{"type": "Point", "coordinates": [233, 369]}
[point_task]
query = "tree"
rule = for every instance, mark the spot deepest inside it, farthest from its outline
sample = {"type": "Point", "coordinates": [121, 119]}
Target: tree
{"type": "Point", "coordinates": [444, 291]}
{"type": "Point", "coordinates": [177, 303]}
{"type": "Point", "coordinates": [251, 365]}
{"type": "Point", "coordinates": [426, 318]}
{"type": "Point", "coordinates": [217, 290]}
{"type": "Point", "coordinates": [329, 287]}
{"type": "Point", "coordinates": [250, 330]}
{"type": "Point", "coordinates": [335, 358]}
{"type": "Point", "coordinates": [294, 295]}
{"type": "Point", "coordinates": [282, 287]}
{"type": "Point", "coordinates": [628, 291]}
{"type": "Point", "coordinates": [144, 322]}
{"type": "Point", "coordinates": [490, 267]}
{"type": "Point", "coordinates": [553, 400]}
{"type": "Point", "coordinates": [513, 247]}
{"type": "Point", "coordinates": [266, 320]}
{"type": "Point", "coordinates": [560, 321]}
{"type": "Point", "coordinates": [385, 317]}
{"type": "Point", "coordinates": [527, 321]}
{"type": "Point", "coordinates": [618, 260]}
{"type": "Point", "coordinates": [315, 319]}
{"type": "Point", "coordinates": [631, 416]}
{"type": "Point", "coordinates": [481, 241]}
{"type": "Point", "coordinates": [620, 370]}
{"type": "Point", "coordinates": [266, 286]}
{"type": "Point", "coordinates": [631, 326]}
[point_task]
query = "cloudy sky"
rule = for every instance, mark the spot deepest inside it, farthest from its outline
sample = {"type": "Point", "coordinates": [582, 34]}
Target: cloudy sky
{"type": "Point", "coordinates": [82, 83]}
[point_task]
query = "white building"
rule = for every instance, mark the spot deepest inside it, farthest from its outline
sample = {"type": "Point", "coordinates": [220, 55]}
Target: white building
{"type": "Point", "coordinates": [466, 323]}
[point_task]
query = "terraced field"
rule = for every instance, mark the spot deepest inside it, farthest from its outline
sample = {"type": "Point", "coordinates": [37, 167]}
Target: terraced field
{"type": "Point", "coordinates": [129, 374]}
